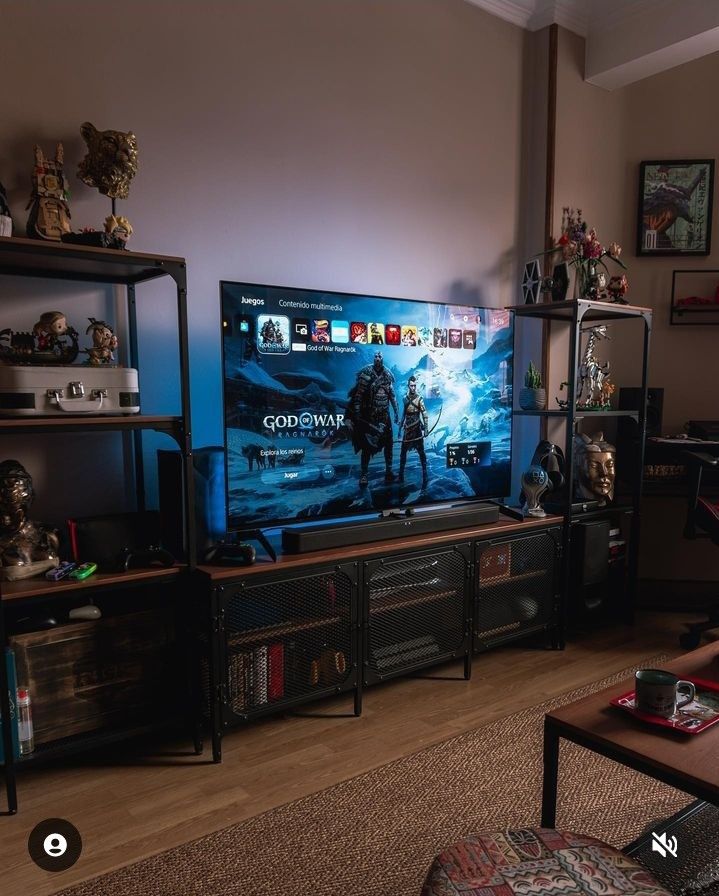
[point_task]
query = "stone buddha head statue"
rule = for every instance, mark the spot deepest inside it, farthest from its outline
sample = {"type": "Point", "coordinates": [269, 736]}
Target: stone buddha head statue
{"type": "Point", "coordinates": [593, 468]}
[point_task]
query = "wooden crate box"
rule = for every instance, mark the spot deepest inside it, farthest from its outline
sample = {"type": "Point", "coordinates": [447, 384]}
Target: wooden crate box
{"type": "Point", "coordinates": [99, 674]}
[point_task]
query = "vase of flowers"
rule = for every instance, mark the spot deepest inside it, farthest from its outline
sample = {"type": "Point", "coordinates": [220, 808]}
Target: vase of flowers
{"type": "Point", "coordinates": [580, 248]}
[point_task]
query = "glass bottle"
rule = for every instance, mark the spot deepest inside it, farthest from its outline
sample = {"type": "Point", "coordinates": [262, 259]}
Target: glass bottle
{"type": "Point", "coordinates": [24, 719]}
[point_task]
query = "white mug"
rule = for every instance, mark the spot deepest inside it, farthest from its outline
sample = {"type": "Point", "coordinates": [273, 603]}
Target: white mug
{"type": "Point", "coordinates": [656, 692]}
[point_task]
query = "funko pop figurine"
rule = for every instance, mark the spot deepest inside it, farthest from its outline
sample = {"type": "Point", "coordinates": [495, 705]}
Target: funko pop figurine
{"type": "Point", "coordinates": [104, 343]}
{"type": "Point", "coordinates": [48, 330]}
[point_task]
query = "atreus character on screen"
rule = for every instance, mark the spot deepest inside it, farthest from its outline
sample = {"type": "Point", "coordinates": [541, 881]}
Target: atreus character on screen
{"type": "Point", "coordinates": [370, 401]}
{"type": "Point", "coordinates": [413, 428]}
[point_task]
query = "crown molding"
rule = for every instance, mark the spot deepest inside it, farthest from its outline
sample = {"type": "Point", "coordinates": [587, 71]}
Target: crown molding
{"type": "Point", "coordinates": [536, 14]}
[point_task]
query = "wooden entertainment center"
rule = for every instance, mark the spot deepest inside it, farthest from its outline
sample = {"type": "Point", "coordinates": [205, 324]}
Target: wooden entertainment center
{"type": "Point", "coordinates": [338, 621]}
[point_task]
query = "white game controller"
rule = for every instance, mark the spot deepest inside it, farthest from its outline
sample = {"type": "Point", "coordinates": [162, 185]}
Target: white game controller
{"type": "Point", "coordinates": [87, 612]}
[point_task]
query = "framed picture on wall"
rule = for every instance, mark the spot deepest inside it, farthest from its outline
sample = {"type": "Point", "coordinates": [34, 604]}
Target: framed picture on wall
{"type": "Point", "coordinates": [675, 207]}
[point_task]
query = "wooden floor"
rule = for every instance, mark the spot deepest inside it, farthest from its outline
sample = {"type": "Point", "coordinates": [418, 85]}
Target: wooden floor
{"type": "Point", "coordinates": [129, 808]}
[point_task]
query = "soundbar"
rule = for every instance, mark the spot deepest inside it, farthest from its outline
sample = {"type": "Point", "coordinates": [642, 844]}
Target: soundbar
{"type": "Point", "coordinates": [315, 538]}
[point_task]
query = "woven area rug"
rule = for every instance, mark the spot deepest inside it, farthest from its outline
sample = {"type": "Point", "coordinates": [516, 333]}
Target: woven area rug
{"type": "Point", "coordinates": [376, 834]}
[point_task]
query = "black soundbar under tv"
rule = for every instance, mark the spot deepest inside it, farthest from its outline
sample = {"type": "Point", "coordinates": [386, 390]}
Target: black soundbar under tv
{"type": "Point", "coordinates": [315, 538]}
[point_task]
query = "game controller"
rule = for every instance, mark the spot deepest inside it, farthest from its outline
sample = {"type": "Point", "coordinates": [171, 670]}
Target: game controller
{"type": "Point", "coordinates": [228, 554]}
{"type": "Point", "coordinates": [142, 557]}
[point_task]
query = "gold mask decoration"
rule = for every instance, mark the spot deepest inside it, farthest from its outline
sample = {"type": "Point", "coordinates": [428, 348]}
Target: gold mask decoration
{"type": "Point", "coordinates": [594, 468]}
{"type": "Point", "coordinates": [111, 161]}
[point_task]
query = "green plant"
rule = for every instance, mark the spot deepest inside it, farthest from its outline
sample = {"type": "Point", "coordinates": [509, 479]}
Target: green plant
{"type": "Point", "coordinates": [533, 378]}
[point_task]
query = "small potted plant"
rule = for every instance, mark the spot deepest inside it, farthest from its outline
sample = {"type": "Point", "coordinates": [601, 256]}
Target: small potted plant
{"type": "Point", "coordinates": [532, 397]}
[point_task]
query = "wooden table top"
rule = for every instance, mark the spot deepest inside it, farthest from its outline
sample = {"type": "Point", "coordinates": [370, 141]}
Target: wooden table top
{"type": "Point", "coordinates": [694, 758]}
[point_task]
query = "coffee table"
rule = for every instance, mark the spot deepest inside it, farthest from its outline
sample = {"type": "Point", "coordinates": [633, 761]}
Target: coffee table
{"type": "Point", "coordinates": [687, 762]}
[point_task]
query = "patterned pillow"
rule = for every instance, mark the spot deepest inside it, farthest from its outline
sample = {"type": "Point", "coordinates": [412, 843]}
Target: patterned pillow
{"type": "Point", "coordinates": [537, 861]}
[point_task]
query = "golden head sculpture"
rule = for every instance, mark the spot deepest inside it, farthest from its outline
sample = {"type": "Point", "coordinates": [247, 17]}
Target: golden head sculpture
{"type": "Point", "coordinates": [111, 161]}
{"type": "Point", "coordinates": [594, 468]}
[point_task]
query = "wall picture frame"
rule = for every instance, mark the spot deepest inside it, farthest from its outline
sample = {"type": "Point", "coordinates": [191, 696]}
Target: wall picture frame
{"type": "Point", "coordinates": [675, 207]}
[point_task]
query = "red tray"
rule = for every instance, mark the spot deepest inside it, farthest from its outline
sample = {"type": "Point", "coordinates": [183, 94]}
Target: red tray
{"type": "Point", "coordinates": [695, 717]}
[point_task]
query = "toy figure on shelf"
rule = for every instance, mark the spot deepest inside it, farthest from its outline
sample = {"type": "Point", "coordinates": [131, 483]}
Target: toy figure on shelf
{"type": "Point", "coordinates": [26, 548]}
{"type": "Point", "coordinates": [50, 214]}
{"type": "Point", "coordinates": [52, 342]}
{"type": "Point", "coordinates": [594, 468]}
{"type": "Point", "coordinates": [618, 287]}
{"type": "Point", "coordinates": [118, 230]}
{"type": "Point", "coordinates": [592, 392]}
{"type": "Point", "coordinates": [104, 343]}
{"type": "Point", "coordinates": [5, 219]}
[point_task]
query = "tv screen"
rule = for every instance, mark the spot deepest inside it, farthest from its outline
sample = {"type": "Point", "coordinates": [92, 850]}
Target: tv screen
{"type": "Point", "coordinates": [338, 404]}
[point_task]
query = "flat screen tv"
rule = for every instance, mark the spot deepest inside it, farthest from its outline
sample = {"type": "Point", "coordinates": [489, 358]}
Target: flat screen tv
{"type": "Point", "coordinates": [338, 404]}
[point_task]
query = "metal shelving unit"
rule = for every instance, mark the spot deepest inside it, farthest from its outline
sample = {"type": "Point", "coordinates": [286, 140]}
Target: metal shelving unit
{"type": "Point", "coordinates": [59, 261]}
{"type": "Point", "coordinates": [575, 314]}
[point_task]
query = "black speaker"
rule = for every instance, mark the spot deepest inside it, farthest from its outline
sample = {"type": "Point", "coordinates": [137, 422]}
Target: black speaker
{"type": "Point", "coordinates": [629, 398]}
{"type": "Point", "coordinates": [590, 552]}
{"type": "Point", "coordinates": [209, 480]}
{"type": "Point", "coordinates": [628, 429]}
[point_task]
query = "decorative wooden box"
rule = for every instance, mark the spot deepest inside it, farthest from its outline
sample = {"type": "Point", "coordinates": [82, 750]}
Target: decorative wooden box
{"type": "Point", "coordinates": [98, 674]}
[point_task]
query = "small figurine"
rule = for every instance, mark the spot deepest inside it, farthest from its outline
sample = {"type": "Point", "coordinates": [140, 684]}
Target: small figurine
{"type": "Point", "coordinates": [52, 342]}
{"type": "Point", "coordinates": [118, 230]}
{"type": "Point", "coordinates": [5, 219]}
{"type": "Point", "coordinates": [51, 326]}
{"type": "Point", "coordinates": [594, 468]}
{"type": "Point", "coordinates": [26, 548]}
{"type": "Point", "coordinates": [618, 287]}
{"type": "Point", "coordinates": [104, 343]}
{"type": "Point", "coordinates": [50, 213]}
{"type": "Point", "coordinates": [111, 161]}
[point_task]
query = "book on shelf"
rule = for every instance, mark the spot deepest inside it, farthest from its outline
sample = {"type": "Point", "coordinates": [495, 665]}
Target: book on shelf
{"type": "Point", "coordinates": [256, 676]}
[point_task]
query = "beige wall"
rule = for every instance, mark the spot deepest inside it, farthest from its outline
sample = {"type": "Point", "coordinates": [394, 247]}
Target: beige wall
{"type": "Point", "coordinates": [360, 145]}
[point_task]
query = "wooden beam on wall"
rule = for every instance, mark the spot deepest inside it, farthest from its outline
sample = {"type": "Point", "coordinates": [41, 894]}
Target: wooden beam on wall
{"type": "Point", "coordinates": [549, 192]}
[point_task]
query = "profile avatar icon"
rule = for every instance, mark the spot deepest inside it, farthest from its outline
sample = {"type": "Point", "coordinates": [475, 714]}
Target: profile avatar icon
{"type": "Point", "coordinates": [55, 845]}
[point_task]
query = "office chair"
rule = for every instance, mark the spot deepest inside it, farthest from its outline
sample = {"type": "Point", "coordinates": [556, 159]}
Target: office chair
{"type": "Point", "coordinates": [702, 522]}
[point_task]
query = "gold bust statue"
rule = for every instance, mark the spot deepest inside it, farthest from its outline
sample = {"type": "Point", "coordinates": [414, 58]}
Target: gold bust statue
{"type": "Point", "coordinates": [593, 468]}
{"type": "Point", "coordinates": [26, 548]}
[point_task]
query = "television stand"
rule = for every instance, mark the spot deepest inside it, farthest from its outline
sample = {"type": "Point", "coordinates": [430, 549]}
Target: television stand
{"type": "Point", "coordinates": [392, 524]}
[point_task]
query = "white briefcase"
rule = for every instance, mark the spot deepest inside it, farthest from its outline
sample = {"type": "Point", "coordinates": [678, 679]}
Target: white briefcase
{"type": "Point", "coordinates": [72, 389]}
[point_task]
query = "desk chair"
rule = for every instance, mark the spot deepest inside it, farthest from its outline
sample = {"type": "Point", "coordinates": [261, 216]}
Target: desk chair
{"type": "Point", "coordinates": [702, 522]}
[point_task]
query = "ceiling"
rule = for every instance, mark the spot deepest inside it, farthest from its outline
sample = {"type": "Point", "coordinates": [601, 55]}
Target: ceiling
{"type": "Point", "coordinates": [627, 40]}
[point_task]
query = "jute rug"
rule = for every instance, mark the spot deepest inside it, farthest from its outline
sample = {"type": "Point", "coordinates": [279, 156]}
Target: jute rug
{"type": "Point", "coordinates": [376, 834]}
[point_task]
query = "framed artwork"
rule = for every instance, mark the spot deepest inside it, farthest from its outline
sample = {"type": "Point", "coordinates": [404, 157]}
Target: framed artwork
{"type": "Point", "coordinates": [675, 207]}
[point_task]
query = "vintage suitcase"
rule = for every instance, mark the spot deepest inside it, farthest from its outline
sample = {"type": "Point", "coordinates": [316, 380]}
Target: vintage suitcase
{"type": "Point", "coordinates": [100, 674]}
{"type": "Point", "coordinates": [74, 389]}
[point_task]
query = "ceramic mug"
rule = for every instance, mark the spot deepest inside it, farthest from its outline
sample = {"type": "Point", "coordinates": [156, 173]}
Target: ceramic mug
{"type": "Point", "coordinates": [656, 692]}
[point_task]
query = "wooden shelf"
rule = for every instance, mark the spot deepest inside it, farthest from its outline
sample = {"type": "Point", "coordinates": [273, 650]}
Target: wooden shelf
{"type": "Point", "coordinates": [64, 261]}
{"type": "Point", "coordinates": [578, 414]}
{"type": "Point", "coordinates": [399, 603]}
{"type": "Point", "coordinates": [129, 422]}
{"type": "Point", "coordinates": [271, 632]}
{"type": "Point", "coordinates": [25, 589]}
{"type": "Point", "coordinates": [583, 308]}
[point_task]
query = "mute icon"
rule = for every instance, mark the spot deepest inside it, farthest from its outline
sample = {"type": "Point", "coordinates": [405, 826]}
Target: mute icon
{"type": "Point", "coordinates": [663, 844]}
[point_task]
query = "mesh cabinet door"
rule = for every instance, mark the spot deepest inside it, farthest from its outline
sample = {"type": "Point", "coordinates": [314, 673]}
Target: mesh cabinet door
{"type": "Point", "coordinates": [287, 640]}
{"type": "Point", "coordinates": [515, 587]}
{"type": "Point", "coordinates": [415, 611]}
